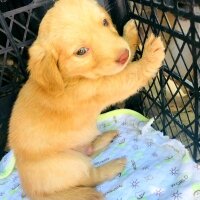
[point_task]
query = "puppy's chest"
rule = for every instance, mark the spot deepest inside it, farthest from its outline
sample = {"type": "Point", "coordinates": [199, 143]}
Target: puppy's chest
{"type": "Point", "coordinates": [73, 139]}
{"type": "Point", "coordinates": [76, 131]}
{"type": "Point", "coordinates": [68, 129]}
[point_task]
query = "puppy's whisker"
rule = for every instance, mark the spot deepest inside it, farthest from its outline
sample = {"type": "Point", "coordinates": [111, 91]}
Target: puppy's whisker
{"type": "Point", "coordinates": [110, 6]}
{"type": "Point", "coordinates": [110, 9]}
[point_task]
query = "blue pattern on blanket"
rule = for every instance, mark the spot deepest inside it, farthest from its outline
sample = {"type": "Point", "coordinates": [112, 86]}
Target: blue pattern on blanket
{"type": "Point", "coordinates": [158, 168]}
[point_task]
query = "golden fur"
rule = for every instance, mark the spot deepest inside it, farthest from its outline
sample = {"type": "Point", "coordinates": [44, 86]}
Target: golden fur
{"type": "Point", "coordinates": [53, 123]}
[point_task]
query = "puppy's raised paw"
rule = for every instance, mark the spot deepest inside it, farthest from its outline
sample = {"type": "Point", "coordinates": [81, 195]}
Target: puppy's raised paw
{"type": "Point", "coordinates": [154, 51]}
{"type": "Point", "coordinates": [131, 36]}
{"type": "Point", "coordinates": [131, 33]}
{"type": "Point", "coordinates": [130, 28]}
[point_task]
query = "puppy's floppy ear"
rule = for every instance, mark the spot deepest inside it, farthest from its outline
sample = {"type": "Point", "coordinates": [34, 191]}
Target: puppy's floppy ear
{"type": "Point", "coordinates": [43, 67]}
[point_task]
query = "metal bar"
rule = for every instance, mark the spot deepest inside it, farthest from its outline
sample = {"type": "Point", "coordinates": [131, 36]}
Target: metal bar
{"type": "Point", "coordinates": [196, 86]}
{"type": "Point", "coordinates": [169, 114]}
{"type": "Point", "coordinates": [165, 29]}
{"type": "Point", "coordinates": [188, 39]}
{"type": "Point", "coordinates": [174, 10]}
{"type": "Point", "coordinates": [22, 65]}
{"type": "Point", "coordinates": [33, 5]}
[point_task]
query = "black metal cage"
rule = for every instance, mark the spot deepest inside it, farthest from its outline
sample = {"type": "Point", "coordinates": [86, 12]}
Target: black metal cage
{"type": "Point", "coordinates": [172, 98]}
{"type": "Point", "coordinates": [19, 22]}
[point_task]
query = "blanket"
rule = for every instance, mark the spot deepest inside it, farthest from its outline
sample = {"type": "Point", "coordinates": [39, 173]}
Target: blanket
{"type": "Point", "coordinates": [158, 168]}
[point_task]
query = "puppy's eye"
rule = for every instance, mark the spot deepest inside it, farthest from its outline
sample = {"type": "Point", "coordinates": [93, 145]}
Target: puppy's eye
{"type": "Point", "coordinates": [82, 51]}
{"type": "Point", "coordinates": [105, 22]}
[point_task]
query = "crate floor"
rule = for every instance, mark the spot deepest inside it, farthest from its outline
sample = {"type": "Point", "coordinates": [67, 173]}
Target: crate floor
{"type": "Point", "coordinates": [158, 168]}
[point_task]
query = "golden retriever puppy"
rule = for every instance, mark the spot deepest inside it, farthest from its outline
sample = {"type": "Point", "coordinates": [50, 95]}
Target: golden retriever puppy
{"type": "Point", "coordinates": [78, 65]}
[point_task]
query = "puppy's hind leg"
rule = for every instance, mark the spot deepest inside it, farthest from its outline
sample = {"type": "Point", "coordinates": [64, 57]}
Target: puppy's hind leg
{"type": "Point", "coordinates": [55, 175]}
{"type": "Point", "coordinates": [105, 172]}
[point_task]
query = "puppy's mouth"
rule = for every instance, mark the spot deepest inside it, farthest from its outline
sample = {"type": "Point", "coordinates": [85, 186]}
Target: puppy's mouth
{"type": "Point", "coordinates": [123, 58]}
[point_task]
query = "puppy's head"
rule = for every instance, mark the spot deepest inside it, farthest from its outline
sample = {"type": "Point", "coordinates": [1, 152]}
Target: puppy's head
{"type": "Point", "coordinates": [76, 38]}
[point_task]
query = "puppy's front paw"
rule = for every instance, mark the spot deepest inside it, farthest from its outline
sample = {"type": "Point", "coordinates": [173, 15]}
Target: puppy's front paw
{"type": "Point", "coordinates": [130, 32]}
{"type": "Point", "coordinates": [154, 51]}
{"type": "Point", "coordinates": [130, 29]}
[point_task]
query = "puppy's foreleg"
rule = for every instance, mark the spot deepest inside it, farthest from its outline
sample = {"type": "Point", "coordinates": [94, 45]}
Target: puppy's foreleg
{"type": "Point", "coordinates": [136, 75]}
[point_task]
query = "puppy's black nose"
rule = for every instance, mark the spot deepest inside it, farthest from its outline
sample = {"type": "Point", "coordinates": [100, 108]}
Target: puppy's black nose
{"type": "Point", "coordinates": [123, 57]}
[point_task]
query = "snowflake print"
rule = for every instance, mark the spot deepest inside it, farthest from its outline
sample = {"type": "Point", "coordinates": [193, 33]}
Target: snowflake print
{"type": "Point", "coordinates": [174, 171]}
{"type": "Point", "coordinates": [158, 192]}
{"type": "Point", "coordinates": [135, 183]}
{"type": "Point", "coordinates": [176, 195]}
{"type": "Point", "coordinates": [149, 143]}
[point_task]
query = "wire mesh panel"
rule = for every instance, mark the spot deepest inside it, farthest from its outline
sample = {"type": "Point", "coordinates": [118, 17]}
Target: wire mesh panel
{"type": "Point", "coordinates": [18, 29]}
{"type": "Point", "coordinates": [173, 97]}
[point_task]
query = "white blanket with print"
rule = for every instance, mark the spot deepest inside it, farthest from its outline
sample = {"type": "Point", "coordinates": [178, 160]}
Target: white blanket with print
{"type": "Point", "coordinates": [158, 168]}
